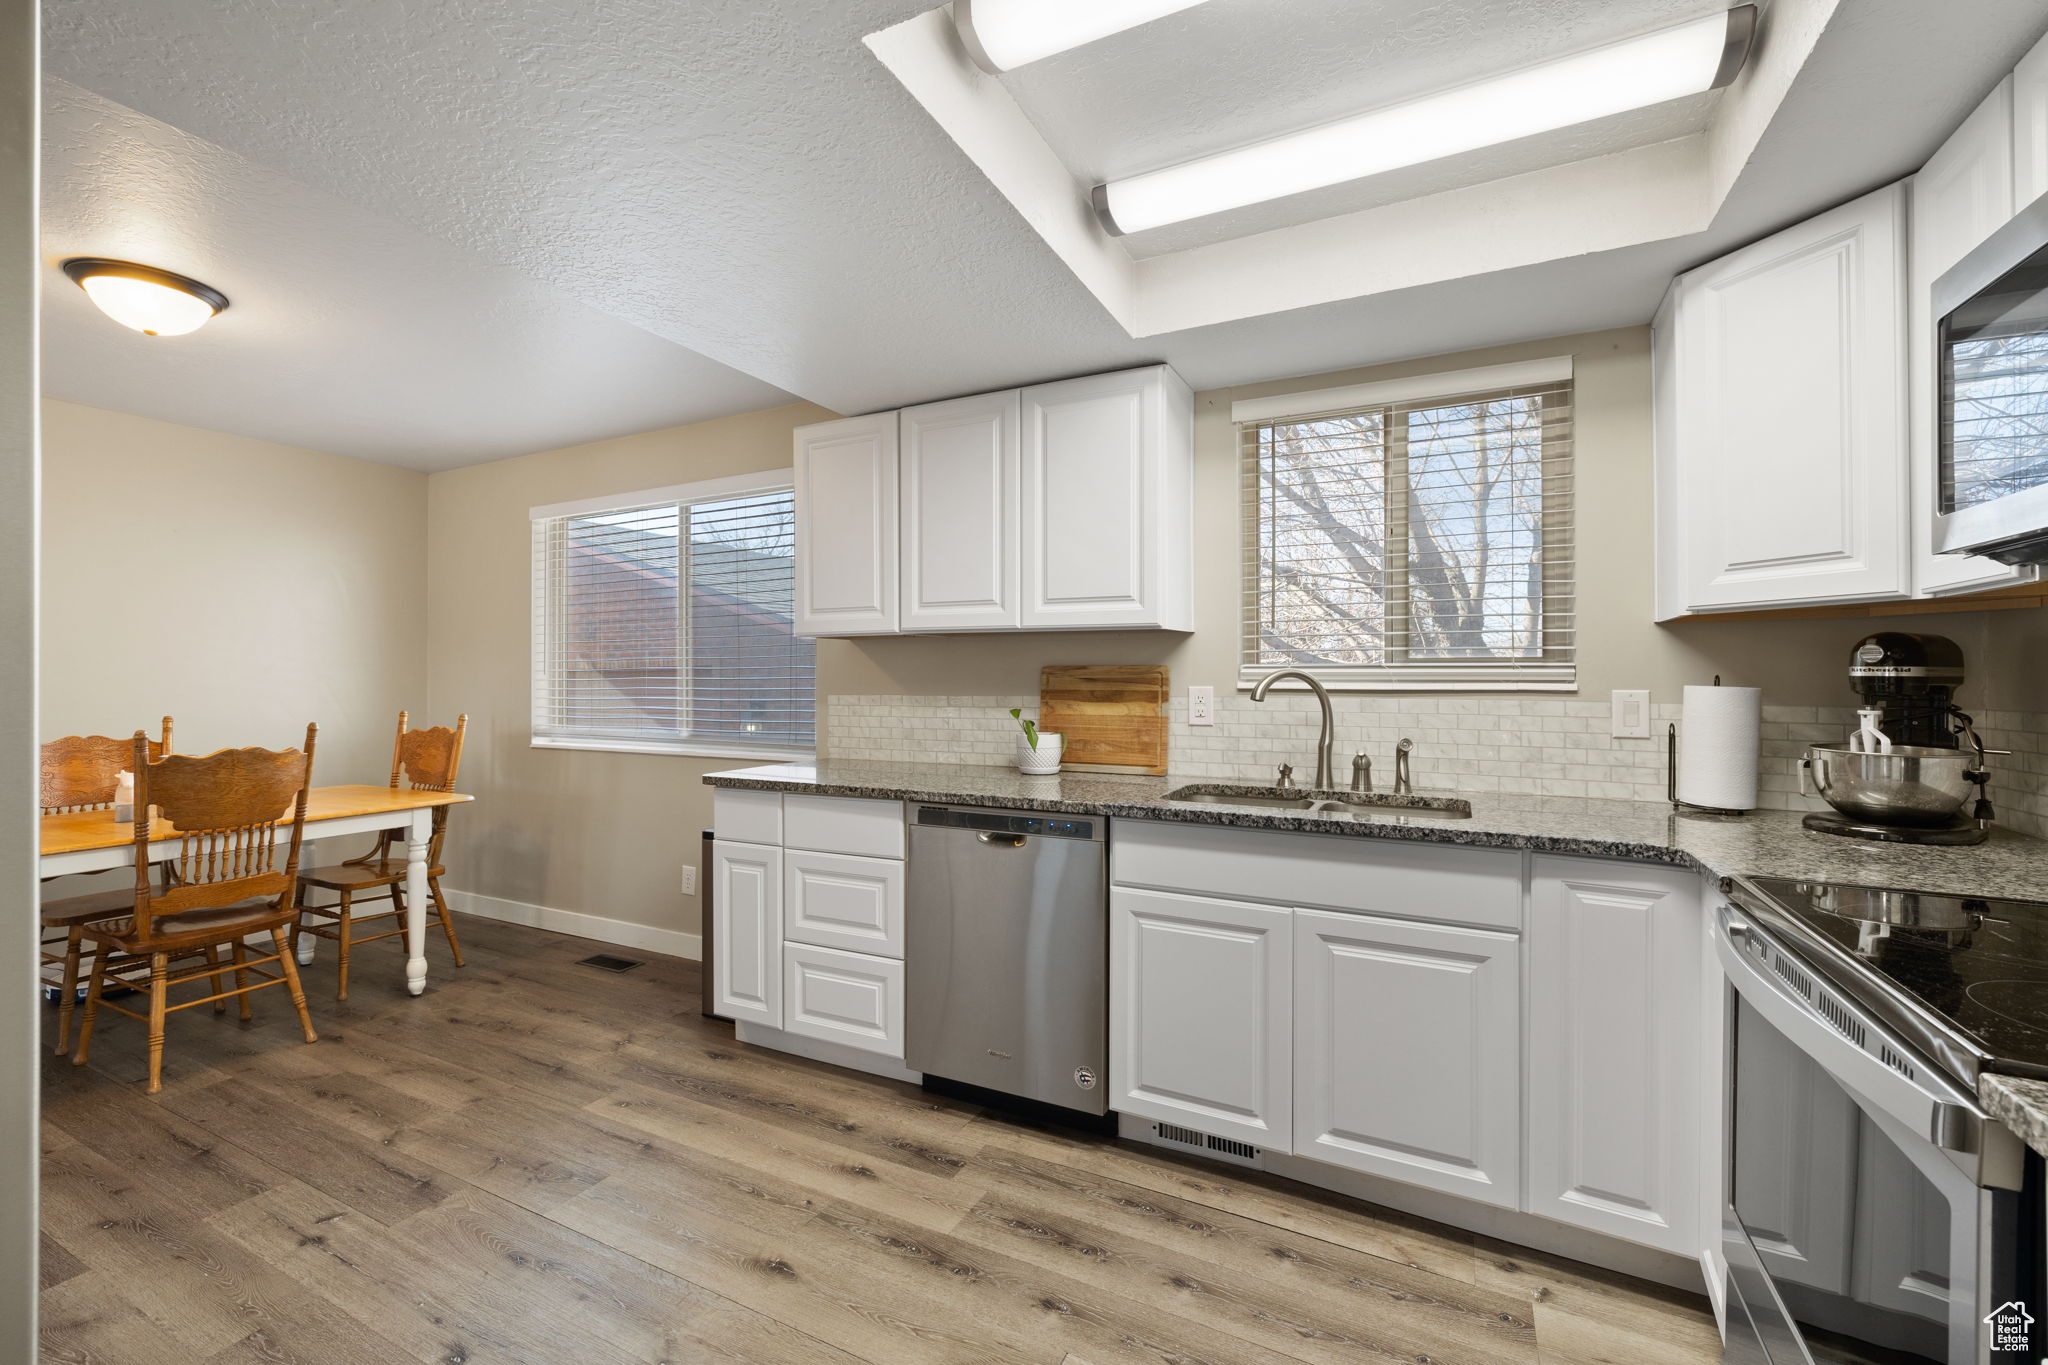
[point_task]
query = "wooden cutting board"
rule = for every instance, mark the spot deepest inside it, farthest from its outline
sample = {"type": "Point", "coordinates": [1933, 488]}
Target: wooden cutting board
{"type": "Point", "coordinates": [1113, 715]}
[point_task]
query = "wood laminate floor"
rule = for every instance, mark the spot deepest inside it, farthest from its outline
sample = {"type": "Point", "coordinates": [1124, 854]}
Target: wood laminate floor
{"type": "Point", "coordinates": [542, 1163]}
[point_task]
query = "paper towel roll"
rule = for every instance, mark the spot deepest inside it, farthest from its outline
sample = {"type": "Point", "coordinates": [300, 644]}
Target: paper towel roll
{"type": "Point", "coordinates": [1718, 738]}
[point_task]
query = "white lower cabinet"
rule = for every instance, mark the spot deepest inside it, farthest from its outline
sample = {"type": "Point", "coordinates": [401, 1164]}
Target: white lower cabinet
{"type": "Point", "coordinates": [807, 920]}
{"type": "Point", "coordinates": [841, 997]}
{"type": "Point", "coordinates": [1614, 1008]}
{"type": "Point", "coordinates": [1201, 1014]}
{"type": "Point", "coordinates": [1407, 1051]}
{"type": "Point", "coordinates": [1518, 1030]}
{"type": "Point", "coordinates": [746, 899]}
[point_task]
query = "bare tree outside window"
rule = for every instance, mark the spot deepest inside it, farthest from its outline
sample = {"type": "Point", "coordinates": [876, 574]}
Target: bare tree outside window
{"type": "Point", "coordinates": [1398, 537]}
{"type": "Point", "coordinates": [1999, 419]}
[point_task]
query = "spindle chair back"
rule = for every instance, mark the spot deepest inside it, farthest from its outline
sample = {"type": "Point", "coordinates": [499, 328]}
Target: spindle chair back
{"type": "Point", "coordinates": [225, 808]}
{"type": "Point", "coordinates": [236, 876]}
{"type": "Point", "coordinates": [424, 760]}
{"type": "Point", "coordinates": [82, 772]}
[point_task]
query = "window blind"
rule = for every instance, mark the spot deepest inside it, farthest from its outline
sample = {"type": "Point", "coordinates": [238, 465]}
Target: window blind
{"type": "Point", "coordinates": [663, 623]}
{"type": "Point", "coordinates": [1422, 544]}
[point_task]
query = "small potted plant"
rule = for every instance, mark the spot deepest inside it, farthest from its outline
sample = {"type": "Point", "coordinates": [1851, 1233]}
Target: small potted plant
{"type": "Point", "coordinates": [1038, 751]}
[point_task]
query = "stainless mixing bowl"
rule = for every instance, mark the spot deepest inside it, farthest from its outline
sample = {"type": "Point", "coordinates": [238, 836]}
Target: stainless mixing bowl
{"type": "Point", "coordinates": [1912, 785]}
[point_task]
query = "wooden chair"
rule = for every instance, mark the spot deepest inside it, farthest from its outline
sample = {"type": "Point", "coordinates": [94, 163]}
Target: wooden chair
{"type": "Point", "coordinates": [81, 772]}
{"type": "Point", "coordinates": [427, 760]}
{"type": "Point", "coordinates": [231, 883]}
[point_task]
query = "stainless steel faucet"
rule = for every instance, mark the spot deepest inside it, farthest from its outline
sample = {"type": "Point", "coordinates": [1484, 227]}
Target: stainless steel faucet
{"type": "Point", "coordinates": [1402, 786]}
{"type": "Point", "coordinates": [1324, 742]}
{"type": "Point", "coordinates": [1361, 772]}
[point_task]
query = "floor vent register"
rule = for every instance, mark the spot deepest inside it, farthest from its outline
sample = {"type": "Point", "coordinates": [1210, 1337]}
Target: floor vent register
{"type": "Point", "coordinates": [605, 962]}
{"type": "Point", "coordinates": [1223, 1149]}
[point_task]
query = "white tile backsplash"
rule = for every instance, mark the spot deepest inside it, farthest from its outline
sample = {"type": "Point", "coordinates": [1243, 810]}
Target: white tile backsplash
{"type": "Point", "coordinates": [1539, 746]}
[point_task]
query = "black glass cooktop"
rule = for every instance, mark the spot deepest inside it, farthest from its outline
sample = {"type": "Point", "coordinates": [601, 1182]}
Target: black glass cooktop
{"type": "Point", "coordinates": [1982, 965]}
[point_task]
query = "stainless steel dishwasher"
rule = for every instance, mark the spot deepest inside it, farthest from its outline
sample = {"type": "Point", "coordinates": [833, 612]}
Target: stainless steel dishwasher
{"type": "Point", "coordinates": [1006, 954]}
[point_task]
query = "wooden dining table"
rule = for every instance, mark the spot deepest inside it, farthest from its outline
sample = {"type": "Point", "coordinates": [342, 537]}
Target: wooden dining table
{"type": "Point", "coordinates": [93, 841]}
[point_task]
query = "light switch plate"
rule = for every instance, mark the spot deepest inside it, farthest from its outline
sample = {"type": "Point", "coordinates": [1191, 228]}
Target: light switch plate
{"type": "Point", "coordinates": [1201, 706]}
{"type": "Point", "coordinates": [1631, 714]}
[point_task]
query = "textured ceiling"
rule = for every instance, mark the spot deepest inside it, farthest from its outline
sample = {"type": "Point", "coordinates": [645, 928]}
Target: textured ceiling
{"type": "Point", "coordinates": [748, 183]}
{"type": "Point", "coordinates": [345, 331]}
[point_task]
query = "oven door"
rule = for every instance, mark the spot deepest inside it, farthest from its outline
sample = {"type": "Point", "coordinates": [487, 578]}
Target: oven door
{"type": "Point", "coordinates": [1865, 1218]}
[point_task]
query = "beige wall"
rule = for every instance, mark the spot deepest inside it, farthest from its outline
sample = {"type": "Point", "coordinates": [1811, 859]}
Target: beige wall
{"type": "Point", "coordinates": [601, 834]}
{"type": "Point", "coordinates": [1797, 663]}
{"type": "Point", "coordinates": [243, 587]}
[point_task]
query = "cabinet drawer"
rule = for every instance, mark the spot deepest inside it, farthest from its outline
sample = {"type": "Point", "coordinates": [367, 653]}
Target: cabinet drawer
{"type": "Point", "coordinates": [1436, 882]}
{"type": "Point", "coordinates": [841, 997]}
{"type": "Point", "coordinates": [843, 824]}
{"type": "Point", "coordinates": [746, 816]}
{"type": "Point", "coordinates": [836, 900]}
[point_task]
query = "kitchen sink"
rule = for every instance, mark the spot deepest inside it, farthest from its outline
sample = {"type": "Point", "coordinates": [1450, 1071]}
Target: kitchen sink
{"type": "Point", "coordinates": [1325, 802]}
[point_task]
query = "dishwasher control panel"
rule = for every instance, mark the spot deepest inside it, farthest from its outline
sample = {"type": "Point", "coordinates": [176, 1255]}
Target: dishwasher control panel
{"type": "Point", "coordinates": [1010, 822]}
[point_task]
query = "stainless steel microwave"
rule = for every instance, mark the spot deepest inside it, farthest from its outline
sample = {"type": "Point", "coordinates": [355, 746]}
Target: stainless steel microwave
{"type": "Point", "coordinates": [1991, 354]}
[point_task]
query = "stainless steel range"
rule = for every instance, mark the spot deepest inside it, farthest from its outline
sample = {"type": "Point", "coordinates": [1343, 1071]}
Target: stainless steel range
{"type": "Point", "coordinates": [1875, 1212]}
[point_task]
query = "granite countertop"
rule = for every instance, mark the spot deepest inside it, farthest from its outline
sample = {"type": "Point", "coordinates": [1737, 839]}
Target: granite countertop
{"type": "Point", "coordinates": [1764, 844]}
{"type": "Point", "coordinates": [2021, 1103]}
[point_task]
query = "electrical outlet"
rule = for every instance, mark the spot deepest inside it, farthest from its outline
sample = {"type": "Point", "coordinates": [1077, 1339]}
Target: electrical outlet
{"type": "Point", "coordinates": [1201, 706]}
{"type": "Point", "coordinates": [1631, 714]}
{"type": "Point", "coordinates": [689, 880]}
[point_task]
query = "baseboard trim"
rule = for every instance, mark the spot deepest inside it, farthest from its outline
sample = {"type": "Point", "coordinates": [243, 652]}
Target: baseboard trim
{"type": "Point", "coordinates": [624, 933]}
{"type": "Point", "coordinates": [818, 1050]}
{"type": "Point", "coordinates": [1507, 1225]}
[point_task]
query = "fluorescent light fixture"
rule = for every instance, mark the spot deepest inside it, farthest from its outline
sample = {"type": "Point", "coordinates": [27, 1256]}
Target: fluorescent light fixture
{"type": "Point", "coordinates": [156, 303]}
{"type": "Point", "coordinates": [1702, 55]}
{"type": "Point", "coordinates": [1002, 35]}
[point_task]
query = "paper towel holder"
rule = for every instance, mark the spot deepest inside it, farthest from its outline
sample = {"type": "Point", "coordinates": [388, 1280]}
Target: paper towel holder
{"type": "Point", "coordinates": [1671, 775]}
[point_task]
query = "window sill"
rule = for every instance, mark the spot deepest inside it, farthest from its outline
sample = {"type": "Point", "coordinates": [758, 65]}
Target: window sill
{"type": "Point", "coordinates": [682, 748]}
{"type": "Point", "coordinates": [1563, 679]}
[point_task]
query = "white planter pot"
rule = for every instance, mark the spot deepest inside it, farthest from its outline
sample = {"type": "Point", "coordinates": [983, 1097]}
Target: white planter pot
{"type": "Point", "coordinates": [1045, 758]}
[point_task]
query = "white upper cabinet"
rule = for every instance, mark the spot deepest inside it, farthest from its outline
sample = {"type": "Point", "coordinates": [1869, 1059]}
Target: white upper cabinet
{"type": "Point", "coordinates": [1108, 502]}
{"type": "Point", "coordinates": [846, 527]}
{"type": "Point", "coordinates": [959, 516]}
{"type": "Point", "coordinates": [1067, 506]}
{"type": "Point", "coordinates": [2030, 127]}
{"type": "Point", "coordinates": [1614, 1008]}
{"type": "Point", "coordinates": [1964, 193]}
{"type": "Point", "coordinates": [1782, 418]}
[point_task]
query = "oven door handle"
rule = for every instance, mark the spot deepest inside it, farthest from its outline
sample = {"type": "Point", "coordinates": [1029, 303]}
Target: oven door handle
{"type": "Point", "coordinates": [1922, 1100]}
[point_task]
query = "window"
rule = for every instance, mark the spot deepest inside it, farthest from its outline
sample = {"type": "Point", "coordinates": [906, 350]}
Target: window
{"type": "Point", "coordinates": [662, 623]}
{"type": "Point", "coordinates": [1414, 534]}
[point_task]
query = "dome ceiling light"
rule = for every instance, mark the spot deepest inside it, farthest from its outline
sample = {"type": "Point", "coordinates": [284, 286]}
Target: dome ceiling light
{"type": "Point", "coordinates": [1687, 59]}
{"type": "Point", "coordinates": [156, 303]}
{"type": "Point", "coordinates": [1002, 35]}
